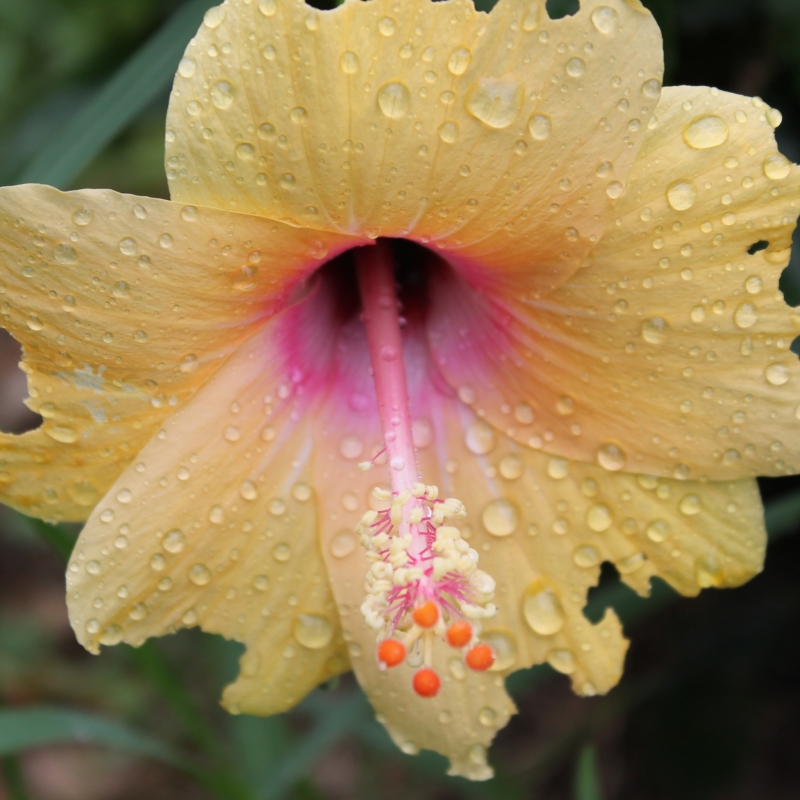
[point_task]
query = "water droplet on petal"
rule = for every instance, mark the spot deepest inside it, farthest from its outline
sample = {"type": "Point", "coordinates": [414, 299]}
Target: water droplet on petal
{"type": "Point", "coordinates": [562, 660]}
{"type": "Point", "coordinates": [459, 61]}
{"type": "Point", "coordinates": [343, 543]}
{"type": "Point", "coordinates": [487, 717]}
{"type": "Point", "coordinates": [187, 67]}
{"type": "Point", "coordinates": [605, 19]}
{"type": "Point", "coordinates": [83, 216]}
{"type": "Point", "coordinates": [746, 315]}
{"type": "Point", "coordinates": [248, 490]}
{"type": "Point", "coordinates": [575, 67]}
{"type": "Point", "coordinates": [558, 468]}
{"type": "Point", "coordinates": [611, 456]}
{"type": "Point", "coordinates": [480, 438]}
{"type": "Point", "coordinates": [505, 649]}
{"type": "Point", "coordinates": [313, 631]}
{"type": "Point", "coordinates": [705, 132]}
{"type": "Point", "coordinates": [174, 541]}
{"type": "Point", "coordinates": [777, 374]}
{"type": "Point", "coordinates": [657, 530]}
{"type": "Point", "coordinates": [690, 505]}
{"type": "Point", "coordinates": [268, 7]}
{"type": "Point", "coordinates": [540, 127]}
{"type": "Point", "coordinates": [599, 518]}
{"type": "Point", "coordinates": [530, 22]}
{"type": "Point", "coordinates": [216, 515]}
{"type": "Point", "coordinates": [511, 467]}
{"type": "Point", "coordinates": [111, 635]}
{"type": "Point", "coordinates": [349, 62]}
{"type": "Point", "coordinates": [282, 552]}
{"type": "Point", "coordinates": [448, 132]}
{"type": "Point", "coordinates": [654, 330]}
{"type": "Point", "coordinates": [65, 254]}
{"type": "Point", "coordinates": [394, 100]}
{"type": "Point", "coordinates": [223, 94]}
{"type": "Point", "coordinates": [495, 101]}
{"type": "Point", "coordinates": [214, 17]}
{"type": "Point", "coordinates": [682, 195]}
{"type": "Point", "coordinates": [199, 574]}
{"type": "Point", "coordinates": [500, 517]}
{"type": "Point", "coordinates": [777, 167]}
{"type": "Point", "coordinates": [587, 556]}
{"type": "Point", "coordinates": [387, 26]}
{"type": "Point", "coordinates": [542, 609]}
{"type": "Point", "coordinates": [708, 571]}
{"type": "Point", "coordinates": [351, 447]}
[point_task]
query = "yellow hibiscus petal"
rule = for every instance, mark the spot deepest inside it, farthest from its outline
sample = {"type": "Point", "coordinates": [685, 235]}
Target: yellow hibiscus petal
{"type": "Point", "coordinates": [669, 352]}
{"type": "Point", "coordinates": [503, 138]}
{"type": "Point", "coordinates": [215, 525]}
{"type": "Point", "coordinates": [542, 527]}
{"type": "Point", "coordinates": [124, 305]}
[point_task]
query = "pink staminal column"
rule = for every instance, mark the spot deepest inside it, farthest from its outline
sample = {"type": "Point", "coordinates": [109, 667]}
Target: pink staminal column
{"type": "Point", "coordinates": [376, 283]}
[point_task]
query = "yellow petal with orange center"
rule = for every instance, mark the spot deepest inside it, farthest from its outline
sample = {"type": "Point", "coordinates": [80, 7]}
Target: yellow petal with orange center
{"type": "Point", "coordinates": [502, 138]}
{"type": "Point", "coordinates": [542, 527]}
{"type": "Point", "coordinates": [124, 306]}
{"type": "Point", "coordinates": [216, 525]}
{"type": "Point", "coordinates": [669, 351]}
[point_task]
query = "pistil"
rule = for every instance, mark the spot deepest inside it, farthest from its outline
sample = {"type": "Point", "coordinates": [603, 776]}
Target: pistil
{"type": "Point", "coordinates": [423, 574]}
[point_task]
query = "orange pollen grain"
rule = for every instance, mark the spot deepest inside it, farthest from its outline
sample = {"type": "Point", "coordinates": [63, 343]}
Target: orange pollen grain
{"type": "Point", "coordinates": [391, 652]}
{"type": "Point", "coordinates": [459, 634]}
{"type": "Point", "coordinates": [426, 615]}
{"type": "Point", "coordinates": [480, 658]}
{"type": "Point", "coordinates": [427, 683]}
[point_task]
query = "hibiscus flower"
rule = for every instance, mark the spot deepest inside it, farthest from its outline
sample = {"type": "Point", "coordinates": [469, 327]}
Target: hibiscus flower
{"type": "Point", "coordinates": [447, 309]}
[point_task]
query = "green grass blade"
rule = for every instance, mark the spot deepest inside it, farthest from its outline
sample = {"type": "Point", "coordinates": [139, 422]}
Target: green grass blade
{"type": "Point", "coordinates": [22, 729]}
{"type": "Point", "coordinates": [587, 778]}
{"type": "Point", "coordinates": [135, 85]}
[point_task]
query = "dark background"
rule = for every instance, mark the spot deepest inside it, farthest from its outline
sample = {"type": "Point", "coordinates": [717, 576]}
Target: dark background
{"type": "Point", "coordinates": [709, 706]}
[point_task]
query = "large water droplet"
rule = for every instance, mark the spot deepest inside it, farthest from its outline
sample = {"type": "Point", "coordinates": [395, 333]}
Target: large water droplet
{"type": "Point", "coordinates": [174, 541]}
{"type": "Point", "coordinates": [599, 518]}
{"type": "Point", "coordinates": [777, 374]}
{"type": "Point", "coordinates": [216, 515]}
{"type": "Point", "coordinates": [705, 132]}
{"type": "Point", "coordinates": [199, 574]}
{"type": "Point", "coordinates": [343, 543]}
{"type": "Point", "coordinates": [448, 132]}
{"type": "Point", "coordinates": [708, 571]}
{"type": "Point", "coordinates": [214, 17]}
{"type": "Point", "coordinates": [611, 456]}
{"type": "Point", "coordinates": [495, 101]}
{"type": "Point", "coordinates": [505, 649]}
{"type": "Point", "coordinates": [631, 563]}
{"type": "Point", "coordinates": [65, 254]}
{"type": "Point", "coordinates": [111, 635]}
{"type": "Point", "coordinates": [558, 468]}
{"type": "Point", "coordinates": [605, 19]}
{"type": "Point", "coordinates": [500, 517]}
{"type": "Point", "coordinates": [459, 60]}
{"type": "Point", "coordinates": [83, 216]}
{"type": "Point", "coordinates": [349, 62]}
{"type": "Point", "coordinates": [682, 195]}
{"type": "Point", "coordinates": [248, 490]}
{"type": "Point", "coordinates": [387, 26]}
{"type": "Point", "coordinates": [777, 167]}
{"type": "Point", "coordinates": [394, 100]}
{"type": "Point", "coordinates": [530, 22]}
{"type": "Point", "coordinates": [746, 315]}
{"type": "Point", "coordinates": [313, 631]}
{"type": "Point", "coordinates": [586, 556]}
{"type": "Point", "coordinates": [562, 660]}
{"type": "Point", "coordinates": [540, 126]}
{"type": "Point", "coordinates": [62, 433]}
{"type": "Point", "coordinates": [575, 67]}
{"type": "Point", "coordinates": [351, 447]}
{"type": "Point", "coordinates": [223, 94]}
{"type": "Point", "coordinates": [654, 330]}
{"type": "Point", "coordinates": [542, 609]}
{"type": "Point", "coordinates": [657, 530]}
{"type": "Point", "coordinates": [690, 505]}
{"type": "Point", "coordinates": [511, 467]}
{"type": "Point", "coordinates": [268, 7]}
{"type": "Point", "coordinates": [480, 438]}
{"type": "Point", "coordinates": [187, 67]}
{"type": "Point", "coordinates": [282, 552]}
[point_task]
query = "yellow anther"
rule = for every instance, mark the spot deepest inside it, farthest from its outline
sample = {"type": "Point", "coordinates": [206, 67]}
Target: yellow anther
{"type": "Point", "coordinates": [418, 490]}
{"type": "Point", "coordinates": [381, 494]}
{"type": "Point", "coordinates": [431, 493]}
{"type": "Point", "coordinates": [365, 466]}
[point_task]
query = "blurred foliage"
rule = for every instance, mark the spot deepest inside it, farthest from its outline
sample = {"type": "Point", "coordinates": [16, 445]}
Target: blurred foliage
{"type": "Point", "coordinates": [709, 705]}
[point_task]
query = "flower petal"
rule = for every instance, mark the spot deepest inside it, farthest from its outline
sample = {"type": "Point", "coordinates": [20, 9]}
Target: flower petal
{"type": "Point", "coordinates": [542, 527]}
{"type": "Point", "coordinates": [669, 351]}
{"type": "Point", "coordinates": [503, 138]}
{"type": "Point", "coordinates": [124, 305]}
{"type": "Point", "coordinates": [215, 526]}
